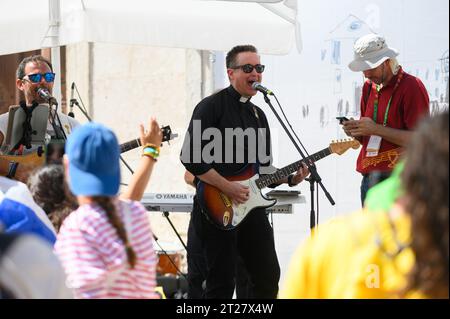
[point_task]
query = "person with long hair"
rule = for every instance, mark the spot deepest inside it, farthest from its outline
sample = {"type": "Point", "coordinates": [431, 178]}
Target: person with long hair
{"type": "Point", "coordinates": [106, 245]}
{"type": "Point", "coordinates": [50, 191]}
{"type": "Point", "coordinates": [425, 178]}
{"type": "Point", "coordinates": [400, 251]}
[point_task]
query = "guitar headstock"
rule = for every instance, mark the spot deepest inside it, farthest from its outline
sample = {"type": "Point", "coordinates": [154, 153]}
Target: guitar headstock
{"type": "Point", "coordinates": [341, 146]}
{"type": "Point", "coordinates": [167, 133]}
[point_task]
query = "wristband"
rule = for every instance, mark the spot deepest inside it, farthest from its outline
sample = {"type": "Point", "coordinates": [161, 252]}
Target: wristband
{"type": "Point", "coordinates": [150, 152]}
{"type": "Point", "coordinates": [151, 146]}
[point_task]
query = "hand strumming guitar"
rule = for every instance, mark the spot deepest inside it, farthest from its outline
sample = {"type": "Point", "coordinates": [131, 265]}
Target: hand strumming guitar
{"type": "Point", "coordinates": [237, 192]}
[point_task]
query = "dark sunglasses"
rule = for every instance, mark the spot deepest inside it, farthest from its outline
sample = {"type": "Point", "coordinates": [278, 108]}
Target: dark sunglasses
{"type": "Point", "coordinates": [248, 68]}
{"type": "Point", "coordinates": [37, 77]}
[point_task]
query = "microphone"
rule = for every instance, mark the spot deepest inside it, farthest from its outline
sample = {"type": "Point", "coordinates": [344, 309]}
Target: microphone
{"type": "Point", "coordinates": [45, 94]}
{"type": "Point", "coordinates": [72, 101]}
{"type": "Point", "coordinates": [258, 87]}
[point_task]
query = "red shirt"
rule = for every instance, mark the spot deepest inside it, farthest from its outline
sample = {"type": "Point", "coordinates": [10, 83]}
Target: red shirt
{"type": "Point", "coordinates": [409, 104]}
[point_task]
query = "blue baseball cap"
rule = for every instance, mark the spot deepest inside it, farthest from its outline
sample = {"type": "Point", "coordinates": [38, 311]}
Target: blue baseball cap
{"type": "Point", "coordinates": [94, 168]}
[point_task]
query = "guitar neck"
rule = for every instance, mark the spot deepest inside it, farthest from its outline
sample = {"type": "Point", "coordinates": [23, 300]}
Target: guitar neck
{"type": "Point", "coordinates": [128, 146]}
{"type": "Point", "coordinates": [167, 136]}
{"type": "Point", "coordinates": [284, 172]}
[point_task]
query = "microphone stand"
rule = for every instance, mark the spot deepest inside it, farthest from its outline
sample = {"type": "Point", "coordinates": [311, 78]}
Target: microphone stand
{"type": "Point", "coordinates": [83, 110]}
{"type": "Point", "coordinates": [314, 176]}
{"type": "Point", "coordinates": [52, 101]}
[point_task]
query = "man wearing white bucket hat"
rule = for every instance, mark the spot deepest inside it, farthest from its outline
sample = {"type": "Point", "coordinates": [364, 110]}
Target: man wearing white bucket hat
{"type": "Point", "coordinates": [392, 103]}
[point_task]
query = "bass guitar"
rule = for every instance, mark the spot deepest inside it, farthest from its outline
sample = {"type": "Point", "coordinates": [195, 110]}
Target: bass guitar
{"type": "Point", "coordinates": [226, 215]}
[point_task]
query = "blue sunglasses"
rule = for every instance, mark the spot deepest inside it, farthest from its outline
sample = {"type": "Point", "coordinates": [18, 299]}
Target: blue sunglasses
{"type": "Point", "coordinates": [37, 77]}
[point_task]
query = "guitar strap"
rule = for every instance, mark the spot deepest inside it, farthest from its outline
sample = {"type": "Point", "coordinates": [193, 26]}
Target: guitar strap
{"type": "Point", "coordinates": [258, 120]}
{"type": "Point", "coordinates": [27, 129]}
{"type": "Point", "coordinates": [26, 138]}
{"type": "Point", "coordinates": [259, 125]}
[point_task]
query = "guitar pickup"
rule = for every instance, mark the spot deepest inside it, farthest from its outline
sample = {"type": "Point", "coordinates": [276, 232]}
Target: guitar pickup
{"type": "Point", "coordinates": [226, 200]}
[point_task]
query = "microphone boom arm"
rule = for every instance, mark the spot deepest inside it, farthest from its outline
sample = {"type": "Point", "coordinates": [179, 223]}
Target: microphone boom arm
{"type": "Point", "coordinates": [314, 177]}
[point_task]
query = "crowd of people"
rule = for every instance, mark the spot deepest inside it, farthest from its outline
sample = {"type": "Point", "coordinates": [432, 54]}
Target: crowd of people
{"type": "Point", "coordinates": [87, 240]}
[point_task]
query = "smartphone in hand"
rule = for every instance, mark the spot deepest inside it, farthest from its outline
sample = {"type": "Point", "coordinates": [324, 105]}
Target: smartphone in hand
{"type": "Point", "coordinates": [342, 119]}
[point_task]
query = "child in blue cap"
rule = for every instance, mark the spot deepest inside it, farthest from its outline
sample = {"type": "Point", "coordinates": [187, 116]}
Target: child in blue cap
{"type": "Point", "coordinates": [106, 245]}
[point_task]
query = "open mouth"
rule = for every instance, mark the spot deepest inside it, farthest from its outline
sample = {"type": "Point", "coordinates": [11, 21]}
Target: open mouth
{"type": "Point", "coordinates": [250, 83]}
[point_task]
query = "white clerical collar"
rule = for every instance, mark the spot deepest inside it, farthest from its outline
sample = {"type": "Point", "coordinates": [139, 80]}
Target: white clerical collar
{"type": "Point", "coordinates": [244, 99]}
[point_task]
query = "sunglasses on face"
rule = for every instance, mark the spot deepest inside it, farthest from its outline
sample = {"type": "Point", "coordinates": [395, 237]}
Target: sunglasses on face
{"type": "Point", "coordinates": [248, 68]}
{"type": "Point", "coordinates": [37, 77]}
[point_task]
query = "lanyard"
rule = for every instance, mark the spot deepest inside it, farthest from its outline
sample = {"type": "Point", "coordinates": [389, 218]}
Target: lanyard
{"type": "Point", "coordinates": [375, 103]}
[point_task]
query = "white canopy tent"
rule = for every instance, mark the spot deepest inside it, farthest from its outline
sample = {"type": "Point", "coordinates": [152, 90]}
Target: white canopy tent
{"type": "Point", "coordinates": [271, 25]}
{"type": "Point", "coordinates": [197, 24]}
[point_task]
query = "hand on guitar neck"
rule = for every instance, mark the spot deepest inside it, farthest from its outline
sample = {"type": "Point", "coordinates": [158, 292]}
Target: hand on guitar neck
{"type": "Point", "coordinates": [300, 175]}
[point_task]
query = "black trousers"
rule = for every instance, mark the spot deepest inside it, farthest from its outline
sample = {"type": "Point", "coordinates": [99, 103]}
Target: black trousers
{"type": "Point", "coordinates": [197, 270]}
{"type": "Point", "coordinates": [220, 250]}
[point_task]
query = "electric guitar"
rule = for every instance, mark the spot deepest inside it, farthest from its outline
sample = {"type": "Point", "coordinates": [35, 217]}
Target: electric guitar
{"type": "Point", "coordinates": [226, 215]}
{"type": "Point", "coordinates": [26, 163]}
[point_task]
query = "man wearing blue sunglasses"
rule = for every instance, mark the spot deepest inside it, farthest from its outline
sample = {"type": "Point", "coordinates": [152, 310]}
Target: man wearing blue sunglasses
{"type": "Point", "coordinates": [36, 72]}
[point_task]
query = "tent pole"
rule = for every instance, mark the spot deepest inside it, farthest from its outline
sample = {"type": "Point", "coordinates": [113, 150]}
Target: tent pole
{"type": "Point", "coordinates": [54, 23]}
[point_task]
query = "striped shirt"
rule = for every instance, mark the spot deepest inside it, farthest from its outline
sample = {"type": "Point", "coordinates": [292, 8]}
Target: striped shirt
{"type": "Point", "coordinates": [94, 256]}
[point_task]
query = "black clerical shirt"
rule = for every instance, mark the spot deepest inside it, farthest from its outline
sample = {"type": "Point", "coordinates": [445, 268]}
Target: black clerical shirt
{"type": "Point", "coordinates": [226, 132]}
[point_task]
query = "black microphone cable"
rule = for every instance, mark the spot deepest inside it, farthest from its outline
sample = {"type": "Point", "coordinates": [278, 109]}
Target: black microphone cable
{"type": "Point", "coordinates": [72, 101]}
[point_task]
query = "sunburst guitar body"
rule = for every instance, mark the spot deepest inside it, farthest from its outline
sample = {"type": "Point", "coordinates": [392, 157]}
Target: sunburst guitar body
{"type": "Point", "coordinates": [226, 215]}
{"type": "Point", "coordinates": [220, 209]}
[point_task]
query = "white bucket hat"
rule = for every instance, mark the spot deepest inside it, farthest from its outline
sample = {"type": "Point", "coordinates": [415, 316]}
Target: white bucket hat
{"type": "Point", "coordinates": [369, 52]}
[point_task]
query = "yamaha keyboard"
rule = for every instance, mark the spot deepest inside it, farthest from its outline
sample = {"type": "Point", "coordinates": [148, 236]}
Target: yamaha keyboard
{"type": "Point", "coordinates": [183, 202]}
{"type": "Point", "coordinates": [168, 202]}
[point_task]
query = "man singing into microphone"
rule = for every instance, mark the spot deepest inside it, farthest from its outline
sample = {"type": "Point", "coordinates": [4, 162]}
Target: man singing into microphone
{"type": "Point", "coordinates": [34, 73]}
{"type": "Point", "coordinates": [231, 109]}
